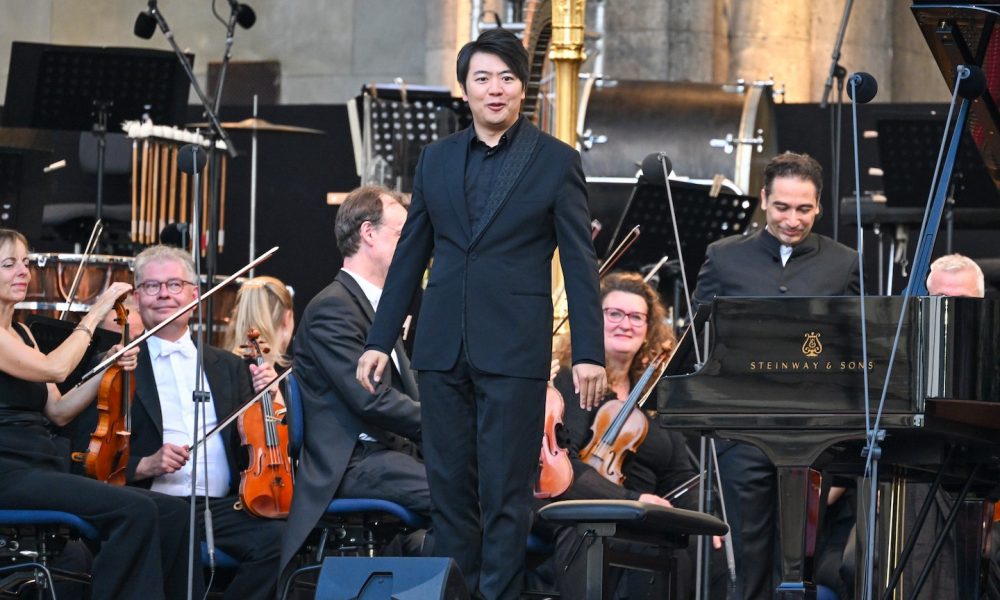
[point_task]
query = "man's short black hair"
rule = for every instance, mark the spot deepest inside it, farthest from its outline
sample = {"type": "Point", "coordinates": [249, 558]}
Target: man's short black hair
{"type": "Point", "coordinates": [501, 43]}
{"type": "Point", "coordinates": [790, 164]}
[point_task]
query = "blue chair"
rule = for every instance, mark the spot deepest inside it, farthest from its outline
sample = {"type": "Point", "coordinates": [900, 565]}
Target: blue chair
{"type": "Point", "coordinates": [359, 526]}
{"type": "Point", "coordinates": [27, 540]}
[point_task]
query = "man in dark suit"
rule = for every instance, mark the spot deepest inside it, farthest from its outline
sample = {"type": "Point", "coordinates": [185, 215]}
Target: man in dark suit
{"type": "Point", "coordinates": [491, 203]}
{"type": "Point", "coordinates": [357, 444]}
{"type": "Point", "coordinates": [784, 259]}
{"type": "Point", "coordinates": [163, 421]}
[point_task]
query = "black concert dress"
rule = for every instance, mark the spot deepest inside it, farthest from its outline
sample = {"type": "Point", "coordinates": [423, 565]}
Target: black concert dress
{"type": "Point", "coordinates": [144, 537]}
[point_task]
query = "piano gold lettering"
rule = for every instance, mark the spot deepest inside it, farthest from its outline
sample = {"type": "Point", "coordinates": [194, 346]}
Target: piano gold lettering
{"type": "Point", "coordinates": [853, 365]}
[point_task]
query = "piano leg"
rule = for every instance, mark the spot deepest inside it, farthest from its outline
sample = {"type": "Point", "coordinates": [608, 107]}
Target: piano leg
{"type": "Point", "coordinates": [798, 514]}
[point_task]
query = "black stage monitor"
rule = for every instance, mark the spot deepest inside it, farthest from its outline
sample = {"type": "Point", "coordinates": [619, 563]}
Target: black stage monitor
{"type": "Point", "coordinates": [56, 87]}
{"type": "Point", "coordinates": [908, 149]}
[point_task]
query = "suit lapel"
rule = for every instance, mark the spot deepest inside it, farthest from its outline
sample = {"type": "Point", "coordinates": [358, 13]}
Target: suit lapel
{"type": "Point", "coordinates": [453, 172]}
{"type": "Point", "coordinates": [518, 157]}
{"type": "Point", "coordinates": [145, 389]}
{"type": "Point", "coordinates": [405, 374]}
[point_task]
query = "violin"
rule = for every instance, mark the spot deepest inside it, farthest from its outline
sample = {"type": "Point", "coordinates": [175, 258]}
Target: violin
{"type": "Point", "coordinates": [108, 452]}
{"type": "Point", "coordinates": [619, 428]}
{"type": "Point", "coordinates": [267, 483]}
{"type": "Point", "coordinates": [555, 471]}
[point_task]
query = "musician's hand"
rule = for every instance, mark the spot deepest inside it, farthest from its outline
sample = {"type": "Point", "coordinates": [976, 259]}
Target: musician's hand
{"type": "Point", "coordinates": [262, 375]}
{"type": "Point", "coordinates": [370, 367]}
{"type": "Point", "coordinates": [717, 542]}
{"type": "Point", "coordinates": [590, 382]}
{"type": "Point", "coordinates": [128, 361]}
{"type": "Point", "coordinates": [654, 499]}
{"type": "Point", "coordinates": [106, 301]}
{"type": "Point", "coordinates": [168, 459]}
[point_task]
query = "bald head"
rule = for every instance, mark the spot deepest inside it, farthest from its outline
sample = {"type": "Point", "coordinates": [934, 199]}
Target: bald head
{"type": "Point", "coordinates": [956, 275]}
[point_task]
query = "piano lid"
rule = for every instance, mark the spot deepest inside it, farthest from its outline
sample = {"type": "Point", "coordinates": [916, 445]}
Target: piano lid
{"type": "Point", "coordinates": [967, 34]}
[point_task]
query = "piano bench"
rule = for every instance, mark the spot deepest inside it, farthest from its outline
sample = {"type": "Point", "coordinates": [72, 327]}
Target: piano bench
{"type": "Point", "coordinates": [660, 528]}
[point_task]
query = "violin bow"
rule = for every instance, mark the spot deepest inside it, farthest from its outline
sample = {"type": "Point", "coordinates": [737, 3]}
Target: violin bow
{"type": "Point", "coordinates": [190, 305]}
{"type": "Point", "coordinates": [95, 235]}
{"type": "Point", "coordinates": [613, 258]}
{"type": "Point", "coordinates": [246, 405]}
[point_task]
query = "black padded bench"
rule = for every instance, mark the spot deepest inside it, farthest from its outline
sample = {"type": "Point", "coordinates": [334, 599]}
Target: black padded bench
{"type": "Point", "coordinates": [660, 528]}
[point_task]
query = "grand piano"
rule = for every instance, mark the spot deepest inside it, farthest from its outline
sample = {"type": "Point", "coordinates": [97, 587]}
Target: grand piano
{"type": "Point", "coordinates": [787, 374]}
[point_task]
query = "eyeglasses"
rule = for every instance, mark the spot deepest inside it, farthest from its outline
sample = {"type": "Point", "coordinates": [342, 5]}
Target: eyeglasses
{"type": "Point", "coordinates": [615, 315]}
{"type": "Point", "coordinates": [152, 287]}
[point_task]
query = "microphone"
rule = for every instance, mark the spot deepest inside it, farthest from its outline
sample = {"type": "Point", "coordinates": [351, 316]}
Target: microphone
{"type": "Point", "coordinates": [191, 159]}
{"type": "Point", "coordinates": [245, 15]}
{"type": "Point", "coordinates": [971, 82]}
{"type": "Point", "coordinates": [145, 24]}
{"type": "Point", "coordinates": [862, 87]}
{"type": "Point", "coordinates": [652, 167]}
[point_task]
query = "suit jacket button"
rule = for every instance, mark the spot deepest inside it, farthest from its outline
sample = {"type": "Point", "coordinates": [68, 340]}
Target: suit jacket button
{"type": "Point", "coordinates": [473, 256]}
{"type": "Point", "coordinates": [783, 289]}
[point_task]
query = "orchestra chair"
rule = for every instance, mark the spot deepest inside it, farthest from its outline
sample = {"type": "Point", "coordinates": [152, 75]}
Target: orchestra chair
{"type": "Point", "coordinates": [660, 528]}
{"type": "Point", "coordinates": [350, 526]}
{"type": "Point", "coordinates": [30, 539]}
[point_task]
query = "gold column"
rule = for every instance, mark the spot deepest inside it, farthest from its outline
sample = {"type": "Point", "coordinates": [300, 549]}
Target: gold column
{"type": "Point", "coordinates": [566, 53]}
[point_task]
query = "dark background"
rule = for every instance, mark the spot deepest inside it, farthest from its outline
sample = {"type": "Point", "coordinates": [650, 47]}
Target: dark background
{"type": "Point", "coordinates": [296, 171]}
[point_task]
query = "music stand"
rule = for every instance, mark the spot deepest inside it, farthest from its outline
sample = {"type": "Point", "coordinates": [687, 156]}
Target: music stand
{"type": "Point", "coordinates": [82, 88]}
{"type": "Point", "coordinates": [701, 219]}
{"type": "Point", "coordinates": [908, 149]}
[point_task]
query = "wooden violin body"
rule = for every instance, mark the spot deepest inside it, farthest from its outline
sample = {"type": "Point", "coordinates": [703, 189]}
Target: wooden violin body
{"type": "Point", "coordinates": [620, 426]}
{"type": "Point", "coordinates": [108, 452]}
{"type": "Point", "coordinates": [607, 453]}
{"type": "Point", "coordinates": [267, 484]}
{"type": "Point", "coordinates": [555, 471]}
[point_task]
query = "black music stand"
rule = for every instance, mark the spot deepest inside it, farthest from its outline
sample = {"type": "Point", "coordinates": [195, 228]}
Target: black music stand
{"type": "Point", "coordinates": [83, 88]}
{"type": "Point", "coordinates": [701, 220]}
{"type": "Point", "coordinates": [908, 150]}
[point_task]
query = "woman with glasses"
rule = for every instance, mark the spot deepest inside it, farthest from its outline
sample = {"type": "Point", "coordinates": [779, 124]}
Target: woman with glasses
{"type": "Point", "coordinates": [141, 533]}
{"type": "Point", "coordinates": [635, 332]}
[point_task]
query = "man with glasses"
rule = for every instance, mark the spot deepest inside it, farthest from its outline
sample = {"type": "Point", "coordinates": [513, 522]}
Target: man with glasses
{"type": "Point", "coordinates": [784, 259]}
{"type": "Point", "coordinates": [163, 416]}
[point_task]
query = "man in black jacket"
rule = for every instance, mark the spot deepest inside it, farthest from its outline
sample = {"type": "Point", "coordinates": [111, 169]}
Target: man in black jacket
{"type": "Point", "coordinates": [784, 259]}
{"type": "Point", "coordinates": [491, 203]}
{"type": "Point", "coordinates": [357, 444]}
{"type": "Point", "coordinates": [163, 411]}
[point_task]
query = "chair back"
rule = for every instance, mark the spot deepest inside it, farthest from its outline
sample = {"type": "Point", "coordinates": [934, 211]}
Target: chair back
{"type": "Point", "coordinates": [296, 425]}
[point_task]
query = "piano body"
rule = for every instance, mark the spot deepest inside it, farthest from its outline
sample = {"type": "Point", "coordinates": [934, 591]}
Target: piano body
{"type": "Point", "coordinates": [787, 375]}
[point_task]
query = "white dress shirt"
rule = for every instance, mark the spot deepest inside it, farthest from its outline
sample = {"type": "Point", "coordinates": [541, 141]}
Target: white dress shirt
{"type": "Point", "coordinates": [786, 253]}
{"type": "Point", "coordinates": [174, 368]}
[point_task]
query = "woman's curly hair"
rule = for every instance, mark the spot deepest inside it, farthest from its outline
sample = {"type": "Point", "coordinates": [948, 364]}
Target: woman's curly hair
{"type": "Point", "coordinates": [659, 334]}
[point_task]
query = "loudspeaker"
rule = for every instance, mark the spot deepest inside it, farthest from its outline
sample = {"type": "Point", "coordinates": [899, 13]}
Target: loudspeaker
{"type": "Point", "coordinates": [390, 578]}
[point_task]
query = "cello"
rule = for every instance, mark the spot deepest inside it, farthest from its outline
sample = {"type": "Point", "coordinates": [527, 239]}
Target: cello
{"type": "Point", "coordinates": [108, 452]}
{"type": "Point", "coordinates": [618, 428]}
{"type": "Point", "coordinates": [267, 483]}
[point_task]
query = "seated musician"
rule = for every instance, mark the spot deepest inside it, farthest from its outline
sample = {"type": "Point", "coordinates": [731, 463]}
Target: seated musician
{"type": "Point", "coordinates": [142, 532]}
{"type": "Point", "coordinates": [785, 258]}
{"type": "Point", "coordinates": [357, 444]}
{"type": "Point", "coordinates": [956, 275]}
{"type": "Point", "coordinates": [265, 304]}
{"type": "Point", "coordinates": [163, 412]}
{"type": "Point", "coordinates": [635, 332]}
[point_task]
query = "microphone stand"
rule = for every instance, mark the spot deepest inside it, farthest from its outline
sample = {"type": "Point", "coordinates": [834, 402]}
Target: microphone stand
{"type": "Point", "coordinates": [836, 71]}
